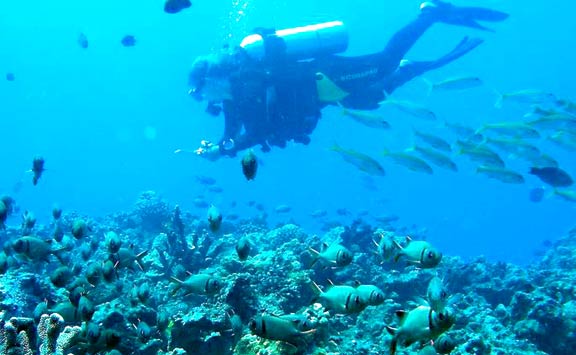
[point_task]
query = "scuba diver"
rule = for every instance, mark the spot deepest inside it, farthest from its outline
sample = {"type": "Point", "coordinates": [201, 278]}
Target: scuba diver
{"type": "Point", "coordinates": [272, 87]}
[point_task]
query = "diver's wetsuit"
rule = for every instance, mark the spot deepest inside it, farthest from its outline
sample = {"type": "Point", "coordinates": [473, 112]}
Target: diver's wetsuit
{"type": "Point", "coordinates": [281, 103]}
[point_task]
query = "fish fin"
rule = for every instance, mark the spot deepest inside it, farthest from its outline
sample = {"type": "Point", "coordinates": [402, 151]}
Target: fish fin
{"type": "Point", "coordinates": [391, 330]}
{"type": "Point", "coordinates": [408, 239]}
{"type": "Point", "coordinates": [421, 301]}
{"type": "Point", "coordinates": [313, 251]}
{"type": "Point", "coordinates": [173, 279]}
{"type": "Point", "coordinates": [315, 288]}
{"type": "Point", "coordinates": [330, 282]}
{"type": "Point", "coordinates": [324, 246]}
{"type": "Point", "coordinates": [357, 283]}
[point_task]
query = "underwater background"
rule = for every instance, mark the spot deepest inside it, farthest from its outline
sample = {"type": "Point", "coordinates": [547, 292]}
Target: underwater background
{"type": "Point", "coordinates": [108, 118]}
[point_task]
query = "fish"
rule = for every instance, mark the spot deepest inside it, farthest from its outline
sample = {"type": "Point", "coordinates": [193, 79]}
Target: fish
{"type": "Point", "coordinates": [370, 295]}
{"type": "Point", "coordinates": [319, 213]}
{"type": "Point", "coordinates": [214, 218]}
{"type": "Point", "coordinates": [554, 177]}
{"type": "Point", "coordinates": [515, 146]}
{"type": "Point", "coordinates": [334, 255]}
{"type": "Point", "coordinates": [564, 139]}
{"type": "Point", "coordinates": [199, 202]}
{"type": "Point", "coordinates": [94, 273]}
{"type": "Point", "coordinates": [205, 180]}
{"type": "Point", "coordinates": [82, 41]}
{"type": "Point", "coordinates": [282, 209]}
{"type": "Point", "coordinates": [243, 247]}
{"type": "Point", "coordinates": [557, 121]}
{"type": "Point", "coordinates": [437, 295]}
{"type": "Point", "coordinates": [127, 258]}
{"type": "Point", "coordinates": [536, 194]}
{"type": "Point", "coordinates": [56, 213]}
{"type": "Point", "coordinates": [444, 344]}
{"type": "Point", "coordinates": [483, 155]}
{"type": "Point", "coordinates": [409, 161]}
{"type": "Point", "coordinates": [128, 41]}
{"type": "Point", "coordinates": [10, 77]}
{"type": "Point", "coordinates": [386, 249]}
{"type": "Point", "coordinates": [544, 161]}
{"type": "Point", "coordinates": [61, 276]}
{"type": "Point", "coordinates": [216, 189]}
{"type": "Point", "coordinates": [501, 174]}
{"type": "Point", "coordinates": [367, 119]}
{"type": "Point", "coordinates": [114, 242]}
{"type": "Point", "coordinates": [525, 97]}
{"type": "Point", "coordinates": [144, 331]}
{"type": "Point", "coordinates": [427, 350]}
{"type": "Point", "coordinates": [278, 328]}
{"type": "Point", "coordinates": [411, 108]}
{"type": "Point", "coordinates": [249, 165]}
{"type": "Point", "coordinates": [175, 6]}
{"type": "Point", "coordinates": [6, 208]}
{"type": "Point", "coordinates": [339, 299]}
{"type": "Point", "coordinates": [566, 105]}
{"type": "Point", "coordinates": [361, 161]}
{"type": "Point", "coordinates": [199, 284]}
{"type": "Point", "coordinates": [454, 84]}
{"type": "Point", "coordinates": [511, 129]}
{"type": "Point", "coordinates": [80, 228]}
{"type": "Point", "coordinates": [566, 194]}
{"type": "Point", "coordinates": [419, 253]}
{"type": "Point", "coordinates": [436, 158]}
{"type": "Point", "coordinates": [420, 324]}
{"type": "Point", "coordinates": [36, 249]}
{"type": "Point", "coordinates": [37, 169]}
{"type": "Point", "coordinates": [109, 271]}
{"type": "Point", "coordinates": [433, 141]}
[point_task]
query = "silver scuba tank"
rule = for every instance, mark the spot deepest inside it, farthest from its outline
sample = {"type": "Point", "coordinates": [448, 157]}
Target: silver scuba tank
{"type": "Point", "coordinates": [302, 42]}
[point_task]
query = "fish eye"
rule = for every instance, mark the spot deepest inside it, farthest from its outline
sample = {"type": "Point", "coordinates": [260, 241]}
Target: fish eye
{"type": "Point", "coordinates": [443, 294]}
{"type": "Point", "coordinates": [252, 324]}
{"type": "Point", "coordinates": [431, 255]}
{"type": "Point", "coordinates": [441, 316]}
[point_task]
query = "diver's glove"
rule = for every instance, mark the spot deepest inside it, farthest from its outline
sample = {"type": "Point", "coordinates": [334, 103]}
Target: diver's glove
{"type": "Point", "coordinates": [208, 150]}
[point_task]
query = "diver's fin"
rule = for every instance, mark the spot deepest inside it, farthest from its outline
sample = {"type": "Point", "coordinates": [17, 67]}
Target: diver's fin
{"type": "Point", "coordinates": [462, 16]}
{"type": "Point", "coordinates": [328, 91]}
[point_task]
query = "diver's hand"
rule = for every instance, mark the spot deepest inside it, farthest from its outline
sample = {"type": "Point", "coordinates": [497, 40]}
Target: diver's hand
{"type": "Point", "coordinates": [208, 150]}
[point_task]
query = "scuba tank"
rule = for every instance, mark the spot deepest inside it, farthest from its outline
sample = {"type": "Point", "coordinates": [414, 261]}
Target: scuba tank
{"type": "Point", "coordinates": [297, 43]}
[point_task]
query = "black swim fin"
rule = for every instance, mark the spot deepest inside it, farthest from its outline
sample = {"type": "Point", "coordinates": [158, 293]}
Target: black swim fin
{"type": "Point", "coordinates": [462, 16]}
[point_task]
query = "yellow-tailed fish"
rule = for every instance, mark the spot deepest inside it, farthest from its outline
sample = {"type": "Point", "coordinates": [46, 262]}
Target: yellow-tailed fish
{"type": "Point", "coordinates": [411, 109]}
{"type": "Point", "coordinates": [483, 155]}
{"type": "Point", "coordinates": [409, 161]}
{"type": "Point", "coordinates": [436, 158]}
{"type": "Point", "coordinates": [525, 97]}
{"type": "Point", "coordinates": [501, 174]}
{"type": "Point", "coordinates": [516, 147]}
{"type": "Point", "coordinates": [454, 84]}
{"type": "Point", "coordinates": [564, 139]}
{"type": "Point", "coordinates": [566, 194]}
{"type": "Point", "coordinates": [367, 119]}
{"type": "Point", "coordinates": [554, 121]}
{"type": "Point", "coordinates": [362, 161]}
{"type": "Point", "coordinates": [544, 161]}
{"type": "Point", "coordinates": [511, 129]}
{"type": "Point", "coordinates": [433, 141]}
{"type": "Point", "coordinates": [567, 106]}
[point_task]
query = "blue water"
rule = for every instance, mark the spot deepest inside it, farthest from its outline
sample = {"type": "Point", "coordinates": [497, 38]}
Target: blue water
{"type": "Point", "coordinates": [107, 119]}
